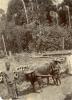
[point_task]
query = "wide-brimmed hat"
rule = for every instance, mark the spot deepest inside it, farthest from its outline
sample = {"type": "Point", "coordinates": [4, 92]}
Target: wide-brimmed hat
{"type": "Point", "coordinates": [57, 60]}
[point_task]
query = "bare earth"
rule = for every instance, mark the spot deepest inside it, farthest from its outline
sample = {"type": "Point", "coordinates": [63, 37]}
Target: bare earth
{"type": "Point", "coordinates": [52, 92]}
{"type": "Point", "coordinates": [48, 93]}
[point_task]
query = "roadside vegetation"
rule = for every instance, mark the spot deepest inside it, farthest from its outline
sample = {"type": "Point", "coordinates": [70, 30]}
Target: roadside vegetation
{"type": "Point", "coordinates": [32, 26]}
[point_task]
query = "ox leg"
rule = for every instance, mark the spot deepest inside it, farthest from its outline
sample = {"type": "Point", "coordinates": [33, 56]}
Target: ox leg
{"type": "Point", "coordinates": [33, 85]}
{"type": "Point", "coordinates": [40, 85]}
{"type": "Point", "coordinates": [59, 80]}
{"type": "Point", "coordinates": [54, 79]}
{"type": "Point", "coordinates": [40, 81]}
{"type": "Point", "coordinates": [47, 80]}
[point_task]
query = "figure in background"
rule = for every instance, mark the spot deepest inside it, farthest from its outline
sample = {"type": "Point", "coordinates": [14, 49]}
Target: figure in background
{"type": "Point", "coordinates": [57, 73]}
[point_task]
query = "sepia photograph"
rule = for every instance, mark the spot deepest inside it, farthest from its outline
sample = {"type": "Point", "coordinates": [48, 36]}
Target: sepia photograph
{"type": "Point", "coordinates": [35, 49]}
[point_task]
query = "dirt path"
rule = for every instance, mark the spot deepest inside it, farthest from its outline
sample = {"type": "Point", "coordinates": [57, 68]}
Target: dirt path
{"type": "Point", "coordinates": [48, 93]}
{"type": "Point", "coordinates": [51, 92]}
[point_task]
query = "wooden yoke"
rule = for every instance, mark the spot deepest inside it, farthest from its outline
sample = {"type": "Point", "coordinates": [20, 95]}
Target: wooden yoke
{"type": "Point", "coordinates": [44, 76]}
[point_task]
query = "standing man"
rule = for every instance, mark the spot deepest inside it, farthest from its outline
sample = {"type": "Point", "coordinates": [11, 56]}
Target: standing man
{"type": "Point", "coordinates": [9, 80]}
{"type": "Point", "coordinates": [57, 72]}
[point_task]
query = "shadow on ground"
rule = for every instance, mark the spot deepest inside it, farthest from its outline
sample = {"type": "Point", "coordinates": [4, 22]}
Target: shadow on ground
{"type": "Point", "coordinates": [30, 89]}
{"type": "Point", "coordinates": [68, 97]}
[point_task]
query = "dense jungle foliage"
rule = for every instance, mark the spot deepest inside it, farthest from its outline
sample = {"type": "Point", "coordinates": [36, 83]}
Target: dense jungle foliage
{"type": "Point", "coordinates": [31, 25]}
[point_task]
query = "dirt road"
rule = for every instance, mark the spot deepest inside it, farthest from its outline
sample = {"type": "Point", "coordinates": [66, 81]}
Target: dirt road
{"type": "Point", "coordinates": [52, 92]}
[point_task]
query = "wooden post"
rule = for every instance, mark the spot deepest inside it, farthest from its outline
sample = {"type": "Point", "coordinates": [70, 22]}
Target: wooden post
{"type": "Point", "coordinates": [4, 45]}
{"type": "Point", "coordinates": [25, 10]}
{"type": "Point", "coordinates": [57, 16]}
{"type": "Point", "coordinates": [37, 4]}
{"type": "Point", "coordinates": [31, 4]}
{"type": "Point", "coordinates": [68, 10]}
{"type": "Point", "coordinates": [63, 42]}
{"type": "Point", "coordinates": [69, 18]}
